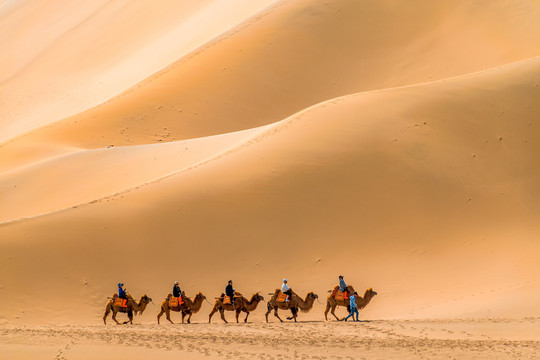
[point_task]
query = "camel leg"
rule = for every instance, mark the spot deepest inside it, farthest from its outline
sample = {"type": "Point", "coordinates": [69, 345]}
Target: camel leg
{"type": "Point", "coordinates": [159, 315]}
{"type": "Point", "coordinates": [247, 314]}
{"type": "Point", "coordinates": [294, 312]}
{"type": "Point", "coordinates": [114, 317]}
{"type": "Point", "coordinates": [168, 315]}
{"type": "Point", "coordinates": [214, 310]}
{"type": "Point", "coordinates": [237, 314]}
{"type": "Point", "coordinates": [189, 318]}
{"type": "Point", "coordinates": [107, 311]}
{"type": "Point", "coordinates": [326, 311]}
{"type": "Point", "coordinates": [130, 316]}
{"type": "Point", "coordinates": [333, 312]}
{"type": "Point", "coordinates": [268, 312]}
{"type": "Point", "coordinates": [222, 312]}
{"type": "Point", "coordinates": [183, 316]}
{"type": "Point", "coordinates": [276, 314]}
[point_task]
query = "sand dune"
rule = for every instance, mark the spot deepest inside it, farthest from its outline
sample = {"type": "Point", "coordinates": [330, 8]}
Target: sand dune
{"type": "Point", "coordinates": [297, 54]}
{"type": "Point", "coordinates": [394, 143]}
{"type": "Point", "coordinates": [89, 175]}
{"type": "Point", "coordinates": [407, 179]}
{"type": "Point", "coordinates": [62, 58]}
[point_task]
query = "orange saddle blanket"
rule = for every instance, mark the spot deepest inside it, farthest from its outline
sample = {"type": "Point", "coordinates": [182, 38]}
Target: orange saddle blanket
{"type": "Point", "coordinates": [175, 301]}
{"type": "Point", "coordinates": [226, 300]}
{"type": "Point", "coordinates": [341, 295]}
{"type": "Point", "coordinates": [281, 297]}
{"type": "Point", "coordinates": [120, 302]}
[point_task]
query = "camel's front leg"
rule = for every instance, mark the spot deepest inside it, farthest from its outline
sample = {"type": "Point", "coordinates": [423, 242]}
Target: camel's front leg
{"type": "Point", "coordinates": [214, 310]}
{"type": "Point", "coordinates": [168, 315]}
{"type": "Point", "coordinates": [114, 317]}
{"type": "Point", "coordinates": [183, 316]}
{"type": "Point", "coordinates": [222, 312]}
{"type": "Point", "coordinates": [326, 310]}
{"type": "Point", "coordinates": [276, 314]}
{"type": "Point", "coordinates": [247, 314]}
{"type": "Point", "coordinates": [333, 312]}
{"type": "Point", "coordinates": [237, 311]}
{"type": "Point", "coordinates": [294, 312]}
{"type": "Point", "coordinates": [189, 318]}
{"type": "Point", "coordinates": [159, 315]}
{"type": "Point", "coordinates": [269, 307]}
{"type": "Point", "coordinates": [107, 311]}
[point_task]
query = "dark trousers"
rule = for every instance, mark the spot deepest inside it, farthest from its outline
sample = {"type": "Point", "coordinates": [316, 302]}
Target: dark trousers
{"type": "Point", "coordinates": [289, 294]}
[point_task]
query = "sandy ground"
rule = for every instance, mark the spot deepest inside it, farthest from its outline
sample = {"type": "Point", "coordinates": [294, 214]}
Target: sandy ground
{"type": "Point", "coordinates": [376, 339]}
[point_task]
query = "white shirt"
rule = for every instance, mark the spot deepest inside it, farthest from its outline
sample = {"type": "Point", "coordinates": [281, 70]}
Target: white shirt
{"type": "Point", "coordinates": [284, 287]}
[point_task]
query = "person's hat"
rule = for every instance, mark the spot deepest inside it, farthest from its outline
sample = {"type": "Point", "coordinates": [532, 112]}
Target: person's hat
{"type": "Point", "coordinates": [341, 276]}
{"type": "Point", "coordinates": [120, 284]}
{"type": "Point", "coordinates": [176, 283]}
{"type": "Point", "coordinates": [230, 280]}
{"type": "Point", "coordinates": [284, 280]}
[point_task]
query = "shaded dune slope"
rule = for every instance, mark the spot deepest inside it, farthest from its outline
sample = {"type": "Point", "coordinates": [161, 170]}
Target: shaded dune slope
{"type": "Point", "coordinates": [82, 176]}
{"type": "Point", "coordinates": [428, 193]}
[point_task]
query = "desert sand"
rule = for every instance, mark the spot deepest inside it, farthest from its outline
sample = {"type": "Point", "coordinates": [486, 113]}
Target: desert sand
{"type": "Point", "coordinates": [396, 143]}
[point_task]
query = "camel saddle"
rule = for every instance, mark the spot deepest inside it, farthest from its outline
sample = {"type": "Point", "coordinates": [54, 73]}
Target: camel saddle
{"type": "Point", "coordinates": [175, 301]}
{"type": "Point", "coordinates": [281, 297]}
{"type": "Point", "coordinates": [340, 295]}
{"type": "Point", "coordinates": [120, 302]}
{"type": "Point", "coordinates": [226, 300]}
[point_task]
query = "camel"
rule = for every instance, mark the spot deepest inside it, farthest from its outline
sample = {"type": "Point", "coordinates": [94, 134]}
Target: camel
{"type": "Point", "coordinates": [240, 304]}
{"type": "Point", "coordinates": [361, 302]}
{"type": "Point", "coordinates": [189, 307]}
{"type": "Point", "coordinates": [132, 306]}
{"type": "Point", "coordinates": [295, 303]}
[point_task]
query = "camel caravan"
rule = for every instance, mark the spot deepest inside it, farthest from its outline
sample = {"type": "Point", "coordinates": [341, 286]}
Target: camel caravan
{"type": "Point", "coordinates": [231, 300]}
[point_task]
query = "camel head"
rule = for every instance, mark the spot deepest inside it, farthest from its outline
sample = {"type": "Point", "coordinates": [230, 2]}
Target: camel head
{"type": "Point", "coordinates": [200, 296]}
{"type": "Point", "coordinates": [308, 303]}
{"type": "Point", "coordinates": [145, 299]}
{"type": "Point", "coordinates": [255, 297]}
{"type": "Point", "coordinates": [369, 293]}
